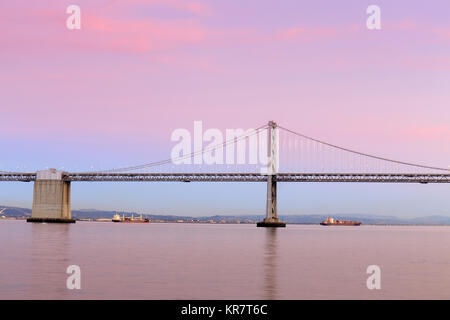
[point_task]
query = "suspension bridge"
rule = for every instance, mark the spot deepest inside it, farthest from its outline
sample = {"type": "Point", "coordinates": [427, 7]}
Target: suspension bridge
{"type": "Point", "coordinates": [270, 154]}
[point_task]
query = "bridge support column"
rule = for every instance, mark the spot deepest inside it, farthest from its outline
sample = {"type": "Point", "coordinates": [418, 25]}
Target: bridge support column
{"type": "Point", "coordinates": [272, 219]}
{"type": "Point", "coordinates": [51, 198]}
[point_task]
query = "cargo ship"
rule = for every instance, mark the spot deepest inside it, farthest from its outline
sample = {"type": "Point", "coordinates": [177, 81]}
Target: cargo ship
{"type": "Point", "coordinates": [333, 222]}
{"type": "Point", "coordinates": [132, 219]}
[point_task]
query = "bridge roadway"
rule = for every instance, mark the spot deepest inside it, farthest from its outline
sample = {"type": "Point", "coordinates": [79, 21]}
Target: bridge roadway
{"type": "Point", "coordinates": [241, 177]}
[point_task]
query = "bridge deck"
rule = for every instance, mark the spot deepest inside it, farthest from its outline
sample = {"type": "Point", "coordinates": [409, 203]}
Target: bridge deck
{"type": "Point", "coordinates": [242, 177]}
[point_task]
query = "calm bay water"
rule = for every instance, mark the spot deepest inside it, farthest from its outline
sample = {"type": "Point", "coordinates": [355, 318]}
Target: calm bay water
{"type": "Point", "coordinates": [202, 261]}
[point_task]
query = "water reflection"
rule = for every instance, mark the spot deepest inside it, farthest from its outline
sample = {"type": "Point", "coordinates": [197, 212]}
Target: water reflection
{"type": "Point", "coordinates": [49, 259]}
{"type": "Point", "coordinates": [270, 264]}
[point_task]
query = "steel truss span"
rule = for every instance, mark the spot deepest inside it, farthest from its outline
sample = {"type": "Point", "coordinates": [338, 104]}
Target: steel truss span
{"type": "Point", "coordinates": [240, 177]}
{"type": "Point", "coordinates": [364, 177]}
{"type": "Point", "coordinates": [181, 177]}
{"type": "Point", "coordinates": [19, 176]}
{"type": "Point", "coordinates": [255, 177]}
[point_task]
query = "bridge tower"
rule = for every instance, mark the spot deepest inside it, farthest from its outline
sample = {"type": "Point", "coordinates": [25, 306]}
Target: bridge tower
{"type": "Point", "coordinates": [51, 198]}
{"type": "Point", "coordinates": [272, 219]}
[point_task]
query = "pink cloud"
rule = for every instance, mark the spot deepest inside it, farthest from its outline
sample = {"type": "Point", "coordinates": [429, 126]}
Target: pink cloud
{"type": "Point", "coordinates": [399, 25]}
{"type": "Point", "coordinates": [111, 30]}
{"type": "Point", "coordinates": [45, 29]}
{"type": "Point", "coordinates": [194, 7]}
{"type": "Point", "coordinates": [429, 133]}
{"type": "Point", "coordinates": [442, 33]}
{"type": "Point", "coordinates": [423, 62]}
{"type": "Point", "coordinates": [139, 36]}
{"type": "Point", "coordinates": [289, 33]}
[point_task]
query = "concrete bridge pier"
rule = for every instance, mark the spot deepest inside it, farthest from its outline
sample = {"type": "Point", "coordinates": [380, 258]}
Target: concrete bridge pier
{"type": "Point", "coordinates": [272, 219]}
{"type": "Point", "coordinates": [51, 198]}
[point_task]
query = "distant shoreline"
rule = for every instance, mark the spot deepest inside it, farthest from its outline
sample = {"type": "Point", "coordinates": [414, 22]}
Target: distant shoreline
{"type": "Point", "coordinates": [303, 219]}
{"type": "Point", "coordinates": [250, 223]}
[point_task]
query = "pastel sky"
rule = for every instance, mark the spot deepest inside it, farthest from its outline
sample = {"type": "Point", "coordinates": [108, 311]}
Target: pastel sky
{"type": "Point", "coordinates": [110, 94]}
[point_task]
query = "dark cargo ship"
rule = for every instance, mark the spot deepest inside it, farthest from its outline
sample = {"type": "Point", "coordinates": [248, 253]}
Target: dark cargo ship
{"type": "Point", "coordinates": [332, 222]}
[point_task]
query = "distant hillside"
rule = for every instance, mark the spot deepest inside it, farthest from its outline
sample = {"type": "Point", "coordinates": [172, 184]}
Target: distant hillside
{"type": "Point", "coordinates": [15, 212]}
{"type": "Point", "coordinates": [301, 219]}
